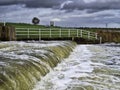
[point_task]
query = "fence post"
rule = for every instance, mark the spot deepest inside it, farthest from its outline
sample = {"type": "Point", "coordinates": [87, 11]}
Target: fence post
{"type": "Point", "coordinates": [81, 33]}
{"type": "Point", "coordinates": [4, 23]}
{"type": "Point", "coordinates": [69, 33]}
{"type": "Point", "coordinates": [39, 34]}
{"type": "Point", "coordinates": [28, 33]}
{"type": "Point", "coordinates": [88, 35]}
{"type": "Point", "coordinates": [60, 33]}
{"type": "Point", "coordinates": [96, 35]}
{"type": "Point", "coordinates": [50, 33]}
{"type": "Point", "coordinates": [77, 33]}
{"type": "Point", "coordinates": [100, 40]}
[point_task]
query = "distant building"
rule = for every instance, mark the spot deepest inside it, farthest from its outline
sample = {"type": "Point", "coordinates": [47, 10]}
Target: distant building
{"type": "Point", "coordinates": [51, 23]}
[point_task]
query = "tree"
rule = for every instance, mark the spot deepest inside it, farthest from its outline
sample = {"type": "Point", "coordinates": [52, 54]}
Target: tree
{"type": "Point", "coordinates": [35, 20]}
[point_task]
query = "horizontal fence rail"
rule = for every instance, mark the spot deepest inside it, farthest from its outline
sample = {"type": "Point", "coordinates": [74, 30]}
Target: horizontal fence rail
{"type": "Point", "coordinates": [34, 33]}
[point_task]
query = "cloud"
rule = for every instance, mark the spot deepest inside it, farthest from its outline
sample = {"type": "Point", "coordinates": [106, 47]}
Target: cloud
{"type": "Point", "coordinates": [63, 12]}
{"type": "Point", "coordinates": [33, 3]}
{"type": "Point", "coordinates": [65, 3]}
{"type": "Point", "coordinates": [56, 19]}
{"type": "Point", "coordinates": [92, 5]}
{"type": "Point", "coordinates": [52, 3]}
{"type": "Point", "coordinates": [10, 8]}
{"type": "Point", "coordinates": [69, 5]}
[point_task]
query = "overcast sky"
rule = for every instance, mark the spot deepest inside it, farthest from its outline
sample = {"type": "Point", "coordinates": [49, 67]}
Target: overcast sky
{"type": "Point", "coordinates": [93, 13]}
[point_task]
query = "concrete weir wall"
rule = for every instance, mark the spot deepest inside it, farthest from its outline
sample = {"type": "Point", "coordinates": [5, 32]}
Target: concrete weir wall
{"type": "Point", "coordinates": [109, 36]}
{"type": "Point", "coordinates": [7, 33]}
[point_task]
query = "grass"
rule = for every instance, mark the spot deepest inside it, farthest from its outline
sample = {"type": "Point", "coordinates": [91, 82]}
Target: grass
{"type": "Point", "coordinates": [24, 25]}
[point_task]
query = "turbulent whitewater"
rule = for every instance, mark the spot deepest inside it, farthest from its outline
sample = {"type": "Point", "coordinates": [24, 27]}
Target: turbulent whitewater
{"type": "Point", "coordinates": [23, 64]}
{"type": "Point", "coordinates": [59, 65]}
{"type": "Point", "coordinates": [89, 67]}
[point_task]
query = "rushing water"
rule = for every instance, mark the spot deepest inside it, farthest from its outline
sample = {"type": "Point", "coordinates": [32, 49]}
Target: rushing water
{"type": "Point", "coordinates": [30, 66]}
{"type": "Point", "coordinates": [89, 67]}
{"type": "Point", "coordinates": [23, 64]}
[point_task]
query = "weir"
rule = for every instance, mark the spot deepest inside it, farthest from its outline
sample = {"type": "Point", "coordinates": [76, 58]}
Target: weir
{"type": "Point", "coordinates": [7, 33]}
{"type": "Point", "coordinates": [88, 67]}
{"type": "Point", "coordinates": [22, 64]}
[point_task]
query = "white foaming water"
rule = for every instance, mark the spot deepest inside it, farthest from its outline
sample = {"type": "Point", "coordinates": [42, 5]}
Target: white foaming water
{"type": "Point", "coordinates": [78, 64]}
{"type": "Point", "coordinates": [89, 67]}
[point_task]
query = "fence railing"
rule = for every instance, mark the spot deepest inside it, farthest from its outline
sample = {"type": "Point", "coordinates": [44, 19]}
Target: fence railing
{"type": "Point", "coordinates": [33, 33]}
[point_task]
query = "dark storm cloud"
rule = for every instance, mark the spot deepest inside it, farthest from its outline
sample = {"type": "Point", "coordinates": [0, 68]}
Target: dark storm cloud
{"type": "Point", "coordinates": [43, 3]}
{"type": "Point", "coordinates": [92, 6]}
{"type": "Point", "coordinates": [66, 12]}
{"type": "Point", "coordinates": [33, 3]}
{"type": "Point", "coordinates": [69, 5]}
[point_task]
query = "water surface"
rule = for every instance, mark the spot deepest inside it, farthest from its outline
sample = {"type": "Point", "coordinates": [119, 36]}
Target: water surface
{"type": "Point", "coordinates": [89, 67]}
